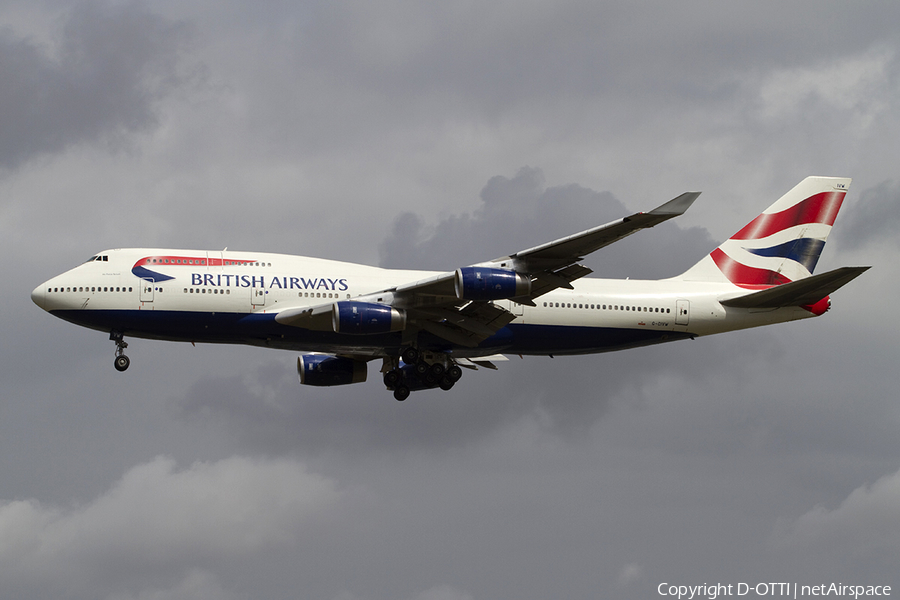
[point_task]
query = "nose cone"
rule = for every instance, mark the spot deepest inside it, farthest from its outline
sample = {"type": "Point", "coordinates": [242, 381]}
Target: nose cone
{"type": "Point", "coordinates": [37, 296]}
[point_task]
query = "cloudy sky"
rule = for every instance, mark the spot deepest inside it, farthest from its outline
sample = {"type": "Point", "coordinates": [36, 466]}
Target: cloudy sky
{"type": "Point", "coordinates": [433, 135]}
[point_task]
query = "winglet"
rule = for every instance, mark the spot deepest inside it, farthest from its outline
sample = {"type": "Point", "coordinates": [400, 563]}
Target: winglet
{"type": "Point", "coordinates": [676, 206]}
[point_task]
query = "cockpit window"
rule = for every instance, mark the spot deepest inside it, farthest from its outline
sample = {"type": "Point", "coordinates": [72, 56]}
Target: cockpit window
{"type": "Point", "coordinates": [92, 259]}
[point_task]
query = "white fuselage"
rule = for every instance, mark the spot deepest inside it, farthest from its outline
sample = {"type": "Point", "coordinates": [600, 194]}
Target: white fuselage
{"type": "Point", "coordinates": [233, 297]}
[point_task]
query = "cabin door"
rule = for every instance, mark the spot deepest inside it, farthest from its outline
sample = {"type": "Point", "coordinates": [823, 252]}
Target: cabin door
{"type": "Point", "coordinates": [147, 290]}
{"type": "Point", "coordinates": [682, 312]}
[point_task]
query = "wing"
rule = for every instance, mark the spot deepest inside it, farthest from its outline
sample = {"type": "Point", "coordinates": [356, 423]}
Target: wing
{"type": "Point", "coordinates": [462, 306]}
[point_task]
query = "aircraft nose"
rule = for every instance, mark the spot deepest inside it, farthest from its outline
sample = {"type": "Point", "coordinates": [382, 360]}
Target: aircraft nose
{"type": "Point", "coordinates": [37, 296]}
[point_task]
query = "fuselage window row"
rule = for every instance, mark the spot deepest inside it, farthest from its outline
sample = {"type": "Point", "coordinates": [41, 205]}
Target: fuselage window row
{"type": "Point", "coordinates": [607, 307]}
{"type": "Point", "coordinates": [58, 290]}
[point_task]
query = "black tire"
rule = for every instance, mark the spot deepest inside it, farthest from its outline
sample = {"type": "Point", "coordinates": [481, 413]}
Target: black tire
{"type": "Point", "coordinates": [437, 369]}
{"type": "Point", "coordinates": [410, 355]}
{"type": "Point", "coordinates": [422, 367]}
{"type": "Point", "coordinates": [454, 373]}
{"type": "Point", "coordinates": [122, 362]}
{"type": "Point", "coordinates": [401, 393]}
{"type": "Point", "coordinates": [392, 378]}
{"type": "Point", "coordinates": [447, 383]}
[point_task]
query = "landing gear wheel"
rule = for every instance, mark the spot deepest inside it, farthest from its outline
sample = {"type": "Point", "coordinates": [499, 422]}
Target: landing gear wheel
{"type": "Point", "coordinates": [437, 369]}
{"type": "Point", "coordinates": [410, 355]}
{"type": "Point", "coordinates": [401, 393]}
{"type": "Point", "coordinates": [392, 378]}
{"type": "Point", "coordinates": [446, 383]}
{"type": "Point", "coordinates": [122, 362]}
{"type": "Point", "coordinates": [454, 373]}
{"type": "Point", "coordinates": [422, 367]}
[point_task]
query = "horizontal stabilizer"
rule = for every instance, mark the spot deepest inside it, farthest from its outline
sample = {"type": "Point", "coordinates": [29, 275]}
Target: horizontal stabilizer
{"type": "Point", "coordinates": [802, 292]}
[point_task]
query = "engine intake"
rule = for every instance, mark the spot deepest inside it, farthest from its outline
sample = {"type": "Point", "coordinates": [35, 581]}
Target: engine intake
{"type": "Point", "coordinates": [479, 283]}
{"type": "Point", "coordinates": [364, 318]}
{"type": "Point", "coordinates": [324, 370]}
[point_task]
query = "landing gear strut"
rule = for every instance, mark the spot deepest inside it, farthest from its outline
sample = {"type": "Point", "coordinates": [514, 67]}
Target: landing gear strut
{"type": "Point", "coordinates": [122, 361]}
{"type": "Point", "coordinates": [419, 371]}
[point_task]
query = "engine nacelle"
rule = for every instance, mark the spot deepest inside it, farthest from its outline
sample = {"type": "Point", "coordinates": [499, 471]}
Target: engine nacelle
{"type": "Point", "coordinates": [481, 283]}
{"type": "Point", "coordinates": [365, 318]}
{"type": "Point", "coordinates": [324, 370]}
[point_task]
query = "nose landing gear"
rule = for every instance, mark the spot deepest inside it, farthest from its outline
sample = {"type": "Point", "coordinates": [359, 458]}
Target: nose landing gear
{"type": "Point", "coordinates": [122, 362]}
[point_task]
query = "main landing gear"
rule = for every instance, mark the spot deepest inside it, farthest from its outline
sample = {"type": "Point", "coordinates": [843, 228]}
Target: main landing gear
{"type": "Point", "coordinates": [419, 371]}
{"type": "Point", "coordinates": [122, 361]}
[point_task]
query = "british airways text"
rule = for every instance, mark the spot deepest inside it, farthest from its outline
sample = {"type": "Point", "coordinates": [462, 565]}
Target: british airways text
{"type": "Point", "coordinates": [259, 281]}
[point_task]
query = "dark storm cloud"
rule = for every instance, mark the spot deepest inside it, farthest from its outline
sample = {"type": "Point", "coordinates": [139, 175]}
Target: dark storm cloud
{"type": "Point", "coordinates": [110, 66]}
{"type": "Point", "coordinates": [275, 414]}
{"type": "Point", "coordinates": [521, 212]}
{"type": "Point", "coordinates": [768, 454]}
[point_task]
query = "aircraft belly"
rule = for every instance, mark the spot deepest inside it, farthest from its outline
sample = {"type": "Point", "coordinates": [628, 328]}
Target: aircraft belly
{"type": "Point", "coordinates": [567, 339]}
{"type": "Point", "coordinates": [259, 329]}
{"type": "Point", "coordinates": [254, 329]}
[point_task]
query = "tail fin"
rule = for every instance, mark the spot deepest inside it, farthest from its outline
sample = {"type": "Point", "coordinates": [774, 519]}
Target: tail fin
{"type": "Point", "coordinates": [782, 244]}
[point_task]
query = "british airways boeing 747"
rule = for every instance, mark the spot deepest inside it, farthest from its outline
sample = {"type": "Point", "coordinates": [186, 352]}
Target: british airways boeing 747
{"type": "Point", "coordinates": [425, 327]}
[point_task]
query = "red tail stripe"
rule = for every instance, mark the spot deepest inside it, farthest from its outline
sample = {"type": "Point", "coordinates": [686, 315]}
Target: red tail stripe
{"type": "Point", "coordinates": [821, 208]}
{"type": "Point", "coordinates": [744, 276]}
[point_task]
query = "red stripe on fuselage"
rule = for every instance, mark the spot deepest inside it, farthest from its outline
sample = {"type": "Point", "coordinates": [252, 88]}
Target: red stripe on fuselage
{"type": "Point", "coordinates": [191, 261]}
{"type": "Point", "coordinates": [821, 208]}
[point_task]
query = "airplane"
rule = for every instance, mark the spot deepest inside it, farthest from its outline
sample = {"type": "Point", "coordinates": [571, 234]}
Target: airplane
{"type": "Point", "coordinates": [426, 327]}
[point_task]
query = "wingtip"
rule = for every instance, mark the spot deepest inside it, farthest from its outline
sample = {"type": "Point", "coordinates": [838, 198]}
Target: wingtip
{"type": "Point", "coordinates": [676, 206]}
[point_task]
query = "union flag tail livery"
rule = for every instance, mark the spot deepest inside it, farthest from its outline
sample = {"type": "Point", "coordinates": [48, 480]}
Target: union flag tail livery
{"type": "Point", "coordinates": [782, 244]}
{"type": "Point", "coordinates": [426, 327]}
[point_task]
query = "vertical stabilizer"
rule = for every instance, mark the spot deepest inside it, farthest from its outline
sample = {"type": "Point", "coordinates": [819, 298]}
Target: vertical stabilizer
{"type": "Point", "coordinates": [780, 245]}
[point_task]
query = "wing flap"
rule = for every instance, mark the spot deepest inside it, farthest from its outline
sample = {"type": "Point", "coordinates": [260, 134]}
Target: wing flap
{"type": "Point", "coordinates": [485, 362]}
{"type": "Point", "coordinates": [547, 281]}
{"type": "Point", "coordinates": [316, 318]}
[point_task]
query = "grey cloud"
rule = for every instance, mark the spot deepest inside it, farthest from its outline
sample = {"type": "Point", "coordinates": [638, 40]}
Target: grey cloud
{"type": "Point", "coordinates": [857, 540]}
{"type": "Point", "coordinates": [520, 212]}
{"type": "Point", "coordinates": [161, 521]}
{"type": "Point", "coordinates": [110, 66]}
{"type": "Point", "coordinates": [591, 476]}
{"type": "Point", "coordinates": [874, 218]}
{"type": "Point", "coordinates": [272, 412]}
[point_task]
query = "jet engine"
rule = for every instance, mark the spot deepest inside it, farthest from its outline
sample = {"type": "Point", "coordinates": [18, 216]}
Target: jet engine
{"type": "Point", "coordinates": [365, 318]}
{"type": "Point", "coordinates": [325, 370]}
{"type": "Point", "coordinates": [479, 283]}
